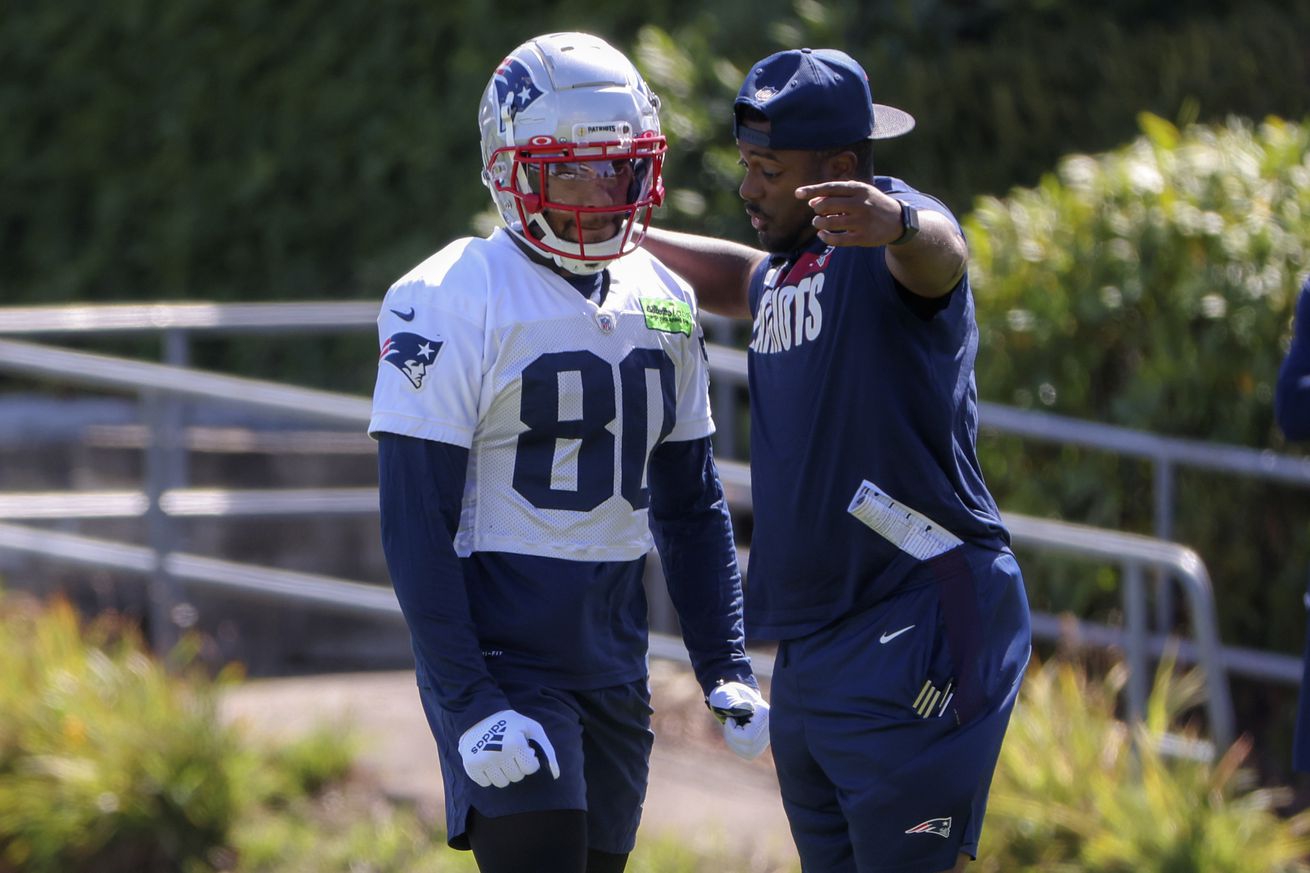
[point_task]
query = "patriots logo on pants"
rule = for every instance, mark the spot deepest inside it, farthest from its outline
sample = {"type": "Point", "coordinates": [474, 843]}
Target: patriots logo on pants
{"type": "Point", "coordinates": [411, 354]}
{"type": "Point", "coordinates": [939, 826]}
{"type": "Point", "coordinates": [515, 89]}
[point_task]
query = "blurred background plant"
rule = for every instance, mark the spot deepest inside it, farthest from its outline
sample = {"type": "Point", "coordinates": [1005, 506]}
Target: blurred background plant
{"type": "Point", "coordinates": [276, 150]}
{"type": "Point", "coordinates": [1078, 790]}
{"type": "Point", "coordinates": [1152, 286]}
{"type": "Point", "coordinates": [108, 762]}
{"type": "Point", "coordinates": [111, 760]}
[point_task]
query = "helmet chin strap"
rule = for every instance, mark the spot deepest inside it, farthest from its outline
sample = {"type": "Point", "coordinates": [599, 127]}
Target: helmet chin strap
{"type": "Point", "coordinates": [558, 263]}
{"type": "Point", "coordinates": [579, 268]}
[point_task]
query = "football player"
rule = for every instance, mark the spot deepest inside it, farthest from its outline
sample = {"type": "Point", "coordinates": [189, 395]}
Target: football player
{"type": "Point", "coordinates": [879, 560]}
{"type": "Point", "coordinates": [1292, 413]}
{"type": "Point", "coordinates": [542, 418]}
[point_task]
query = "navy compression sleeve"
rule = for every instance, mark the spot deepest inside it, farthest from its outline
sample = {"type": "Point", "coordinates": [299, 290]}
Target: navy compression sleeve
{"type": "Point", "coordinates": [1292, 398]}
{"type": "Point", "coordinates": [693, 532]}
{"type": "Point", "coordinates": [420, 486]}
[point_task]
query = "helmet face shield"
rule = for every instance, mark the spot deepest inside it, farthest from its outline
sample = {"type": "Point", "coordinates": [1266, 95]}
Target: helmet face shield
{"type": "Point", "coordinates": [581, 190]}
{"type": "Point", "coordinates": [572, 149]}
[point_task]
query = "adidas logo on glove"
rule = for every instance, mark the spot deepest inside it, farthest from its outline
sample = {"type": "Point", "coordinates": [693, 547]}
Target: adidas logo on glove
{"type": "Point", "coordinates": [501, 749]}
{"type": "Point", "coordinates": [491, 741]}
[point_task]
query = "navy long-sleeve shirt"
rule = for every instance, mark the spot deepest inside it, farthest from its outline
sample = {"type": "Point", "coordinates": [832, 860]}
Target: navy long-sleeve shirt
{"type": "Point", "coordinates": [571, 623]}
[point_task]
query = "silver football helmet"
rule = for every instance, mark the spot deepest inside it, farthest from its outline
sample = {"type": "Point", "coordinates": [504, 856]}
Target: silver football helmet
{"type": "Point", "coordinates": [569, 108]}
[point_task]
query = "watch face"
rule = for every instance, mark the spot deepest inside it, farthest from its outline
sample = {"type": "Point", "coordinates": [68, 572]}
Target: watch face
{"type": "Point", "coordinates": [909, 224]}
{"type": "Point", "coordinates": [909, 217]}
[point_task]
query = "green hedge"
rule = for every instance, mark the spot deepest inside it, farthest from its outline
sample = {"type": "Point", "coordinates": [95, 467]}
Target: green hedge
{"type": "Point", "coordinates": [1001, 90]}
{"type": "Point", "coordinates": [1153, 287]}
{"type": "Point", "coordinates": [195, 149]}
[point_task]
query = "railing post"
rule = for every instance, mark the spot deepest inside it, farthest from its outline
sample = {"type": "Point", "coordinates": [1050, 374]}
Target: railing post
{"type": "Point", "coordinates": [1200, 595]}
{"type": "Point", "coordinates": [161, 415]}
{"type": "Point", "coordinates": [177, 353]}
{"type": "Point", "coordinates": [1163, 472]}
{"type": "Point", "coordinates": [1135, 617]}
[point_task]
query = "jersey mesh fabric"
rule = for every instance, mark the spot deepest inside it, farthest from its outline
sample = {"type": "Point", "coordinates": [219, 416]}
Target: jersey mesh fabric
{"type": "Point", "coordinates": [487, 524]}
{"type": "Point", "coordinates": [560, 401]}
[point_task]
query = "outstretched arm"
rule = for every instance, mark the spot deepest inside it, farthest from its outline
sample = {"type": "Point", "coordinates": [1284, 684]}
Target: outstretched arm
{"type": "Point", "coordinates": [850, 213]}
{"type": "Point", "coordinates": [719, 271]}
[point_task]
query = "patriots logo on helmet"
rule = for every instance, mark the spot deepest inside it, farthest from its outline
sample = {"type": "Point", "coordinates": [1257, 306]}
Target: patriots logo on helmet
{"type": "Point", "coordinates": [939, 826]}
{"type": "Point", "coordinates": [515, 89]}
{"type": "Point", "coordinates": [411, 354]}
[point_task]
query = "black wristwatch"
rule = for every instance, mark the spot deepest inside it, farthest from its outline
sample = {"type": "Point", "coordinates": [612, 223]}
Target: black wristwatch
{"type": "Point", "coordinates": [909, 224]}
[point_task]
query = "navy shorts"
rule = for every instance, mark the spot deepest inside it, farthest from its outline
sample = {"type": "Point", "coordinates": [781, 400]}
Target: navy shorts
{"type": "Point", "coordinates": [886, 726]}
{"type": "Point", "coordinates": [602, 739]}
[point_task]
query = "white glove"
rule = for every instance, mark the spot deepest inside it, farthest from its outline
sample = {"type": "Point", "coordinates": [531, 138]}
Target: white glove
{"type": "Point", "coordinates": [745, 717]}
{"type": "Point", "coordinates": [496, 751]}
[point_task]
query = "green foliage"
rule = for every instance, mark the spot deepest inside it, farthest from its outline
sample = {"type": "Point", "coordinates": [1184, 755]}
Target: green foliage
{"type": "Point", "coordinates": [1077, 790]}
{"type": "Point", "coordinates": [1170, 264]}
{"type": "Point", "coordinates": [108, 762]}
{"type": "Point", "coordinates": [343, 831]}
{"type": "Point", "coordinates": [276, 776]}
{"type": "Point", "coordinates": [1001, 90]}
{"type": "Point", "coordinates": [111, 763]}
{"type": "Point", "coordinates": [193, 149]}
{"type": "Point", "coordinates": [186, 148]}
{"type": "Point", "coordinates": [1152, 287]}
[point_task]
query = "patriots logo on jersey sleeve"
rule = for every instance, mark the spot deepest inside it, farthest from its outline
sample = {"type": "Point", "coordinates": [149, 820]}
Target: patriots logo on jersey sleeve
{"type": "Point", "coordinates": [411, 354]}
{"type": "Point", "coordinates": [515, 89]}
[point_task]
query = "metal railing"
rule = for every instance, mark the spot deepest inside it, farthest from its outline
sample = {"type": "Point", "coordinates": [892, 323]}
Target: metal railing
{"type": "Point", "coordinates": [165, 495]}
{"type": "Point", "coordinates": [167, 570]}
{"type": "Point", "coordinates": [178, 321]}
{"type": "Point", "coordinates": [1135, 554]}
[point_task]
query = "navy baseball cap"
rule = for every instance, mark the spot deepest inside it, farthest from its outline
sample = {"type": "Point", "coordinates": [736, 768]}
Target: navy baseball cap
{"type": "Point", "coordinates": [814, 99]}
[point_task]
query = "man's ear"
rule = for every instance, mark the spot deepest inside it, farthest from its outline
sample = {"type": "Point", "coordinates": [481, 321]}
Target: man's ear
{"type": "Point", "coordinates": [840, 166]}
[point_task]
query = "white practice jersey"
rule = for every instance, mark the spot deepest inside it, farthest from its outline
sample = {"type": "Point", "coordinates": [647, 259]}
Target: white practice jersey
{"type": "Point", "coordinates": [560, 401]}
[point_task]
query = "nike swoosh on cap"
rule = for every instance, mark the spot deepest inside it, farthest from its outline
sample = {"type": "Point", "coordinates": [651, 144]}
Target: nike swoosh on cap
{"type": "Point", "coordinates": [404, 316]}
